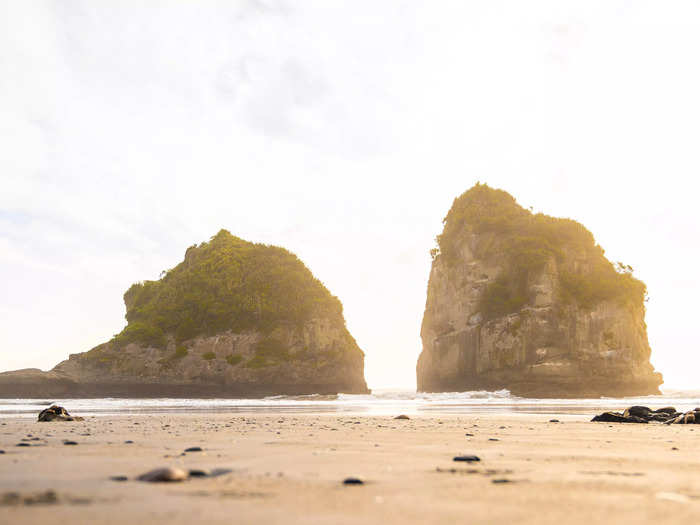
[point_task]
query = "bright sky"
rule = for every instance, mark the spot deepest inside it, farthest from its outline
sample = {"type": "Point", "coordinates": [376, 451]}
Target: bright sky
{"type": "Point", "coordinates": [341, 131]}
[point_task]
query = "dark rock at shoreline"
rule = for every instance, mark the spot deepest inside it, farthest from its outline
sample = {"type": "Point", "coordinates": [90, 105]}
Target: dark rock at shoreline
{"type": "Point", "coordinates": [691, 417]}
{"type": "Point", "coordinates": [616, 417]}
{"type": "Point", "coordinates": [641, 414]}
{"type": "Point", "coordinates": [637, 411]}
{"type": "Point", "coordinates": [57, 413]}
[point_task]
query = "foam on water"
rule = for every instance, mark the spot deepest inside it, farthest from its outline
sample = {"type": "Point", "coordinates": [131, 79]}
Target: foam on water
{"type": "Point", "coordinates": [380, 402]}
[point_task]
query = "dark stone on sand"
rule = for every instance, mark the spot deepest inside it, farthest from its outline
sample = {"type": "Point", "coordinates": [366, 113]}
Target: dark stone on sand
{"type": "Point", "coordinates": [193, 449]}
{"type": "Point", "coordinates": [57, 413]}
{"type": "Point", "coordinates": [219, 472]}
{"type": "Point", "coordinates": [23, 445]}
{"type": "Point", "coordinates": [67, 442]}
{"type": "Point", "coordinates": [2, 451]}
{"type": "Point", "coordinates": [469, 435]}
{"type": "Point", "coordinates": [353, 481]}
{"type": "Point", "coordinates": [119, 478]}
{"type": "Point", "coordinates": [48, 497]}
{"type": "Point", "coordinates": [166, 474]}
{"type": "Point", "coordinates": [128, 442]}
{"type": "Point", "coordinates": [468, 459]}
{"type": "Point", "coordinates": [402, 416]}
{"type": "Point", "coordinates": [494, 439]}
{"type": "Point", "coordinates": [554, 421]}
{"type": "Point", "coordinates": [501, 481]}
{"type": "Point", "coordinates": [197, 473]}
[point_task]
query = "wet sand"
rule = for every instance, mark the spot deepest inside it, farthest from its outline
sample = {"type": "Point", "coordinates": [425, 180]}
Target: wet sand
{"type": "Point", "coordinates": [289, 468]}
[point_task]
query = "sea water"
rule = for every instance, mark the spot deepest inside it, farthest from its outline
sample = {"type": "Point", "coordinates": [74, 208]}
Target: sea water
{"type": "Point", "coordinates": [380, 402]}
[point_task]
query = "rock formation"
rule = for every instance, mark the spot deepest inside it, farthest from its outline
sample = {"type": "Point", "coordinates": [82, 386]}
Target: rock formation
{"type": "Point", "coordinates": [56, 413]}
{"type": "Point", "coordinates": [529, 303]}
{"type": "Point", "coordinates": [234, 319]}
{"type": "Point", "coordinates": [642, 414]}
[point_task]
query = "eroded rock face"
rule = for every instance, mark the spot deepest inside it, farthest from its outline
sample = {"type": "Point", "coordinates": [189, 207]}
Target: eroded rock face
{"type": "Point", "coordinates": [490, 324]}
{"type": "Point", "coordinates": [319, 358]}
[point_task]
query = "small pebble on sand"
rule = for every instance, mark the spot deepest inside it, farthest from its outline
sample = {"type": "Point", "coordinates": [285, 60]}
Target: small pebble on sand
{"type": "Point", "coordinates": [468, 459]}
{"type": "Point", "coordinates": [166, 474]}
{"type": "Point", "coordinates": [119, 478]}
{"type": "Point", "coordinates": [353, 481]}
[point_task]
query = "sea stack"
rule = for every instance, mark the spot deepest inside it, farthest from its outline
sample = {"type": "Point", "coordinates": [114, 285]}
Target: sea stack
{"type": "Point", "coordinates": [233, 319]}
{"type": "Point", "coordinates": [529, 303]}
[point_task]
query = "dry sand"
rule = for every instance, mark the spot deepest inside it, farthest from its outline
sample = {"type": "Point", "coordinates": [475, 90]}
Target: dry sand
{"type": "Point", "coordinates": [289, 468]}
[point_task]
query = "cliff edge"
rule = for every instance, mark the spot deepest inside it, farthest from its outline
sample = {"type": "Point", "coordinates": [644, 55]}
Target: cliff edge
{"type": "Point", "coordinates": [234, 319]}
{"type": "Point", "coordinates": [529, 303]}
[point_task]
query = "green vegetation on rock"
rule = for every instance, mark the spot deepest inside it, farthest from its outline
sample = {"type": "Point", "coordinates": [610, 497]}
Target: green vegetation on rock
{"type": "Point", "coordinates": [225, 284]}
{"type": "Point", "coordinates": [208, 356]}
{"type": "Point", "coordinates": [233, 359]}
{"type": "Point", "coordinates": [257, 362]}
{"type": "Point", "coordinates": [180, 352]}
{"type": "Point", "coordinates": [522, 243]}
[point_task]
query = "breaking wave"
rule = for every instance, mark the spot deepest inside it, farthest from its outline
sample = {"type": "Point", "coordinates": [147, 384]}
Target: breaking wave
{"type": "Point", "coordinates": [379, 402]}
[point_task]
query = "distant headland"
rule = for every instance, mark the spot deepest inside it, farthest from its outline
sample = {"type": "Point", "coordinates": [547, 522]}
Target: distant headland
{"type": "Point", "coordinates": [529, 303]}
{"type": "Point", "coordinates": [233, 319]}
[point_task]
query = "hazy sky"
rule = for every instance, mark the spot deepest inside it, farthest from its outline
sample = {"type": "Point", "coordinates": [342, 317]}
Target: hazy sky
{"type": "Point", "coordinates": [341, 131]}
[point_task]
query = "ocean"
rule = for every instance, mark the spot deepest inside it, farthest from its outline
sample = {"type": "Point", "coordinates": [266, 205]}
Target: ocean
{"type": "Point", "coordinates": [380, 402]}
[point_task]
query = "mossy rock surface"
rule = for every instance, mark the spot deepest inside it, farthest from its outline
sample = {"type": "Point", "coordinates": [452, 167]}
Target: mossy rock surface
{"type": "Point", "coordinates": [522, 243]}
{"type": "Point", "coordinates": [225, 284]}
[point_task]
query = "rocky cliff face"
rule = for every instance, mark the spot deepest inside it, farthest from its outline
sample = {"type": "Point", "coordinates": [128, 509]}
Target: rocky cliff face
{"type": "Point", "coordinates": [272, 344]}
{"type": "Point", "coordinates": [529, 303]}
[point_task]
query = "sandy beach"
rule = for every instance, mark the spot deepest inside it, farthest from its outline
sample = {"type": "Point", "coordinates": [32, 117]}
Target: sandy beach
{"type": "Point", "coordinates": [289, 468]}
